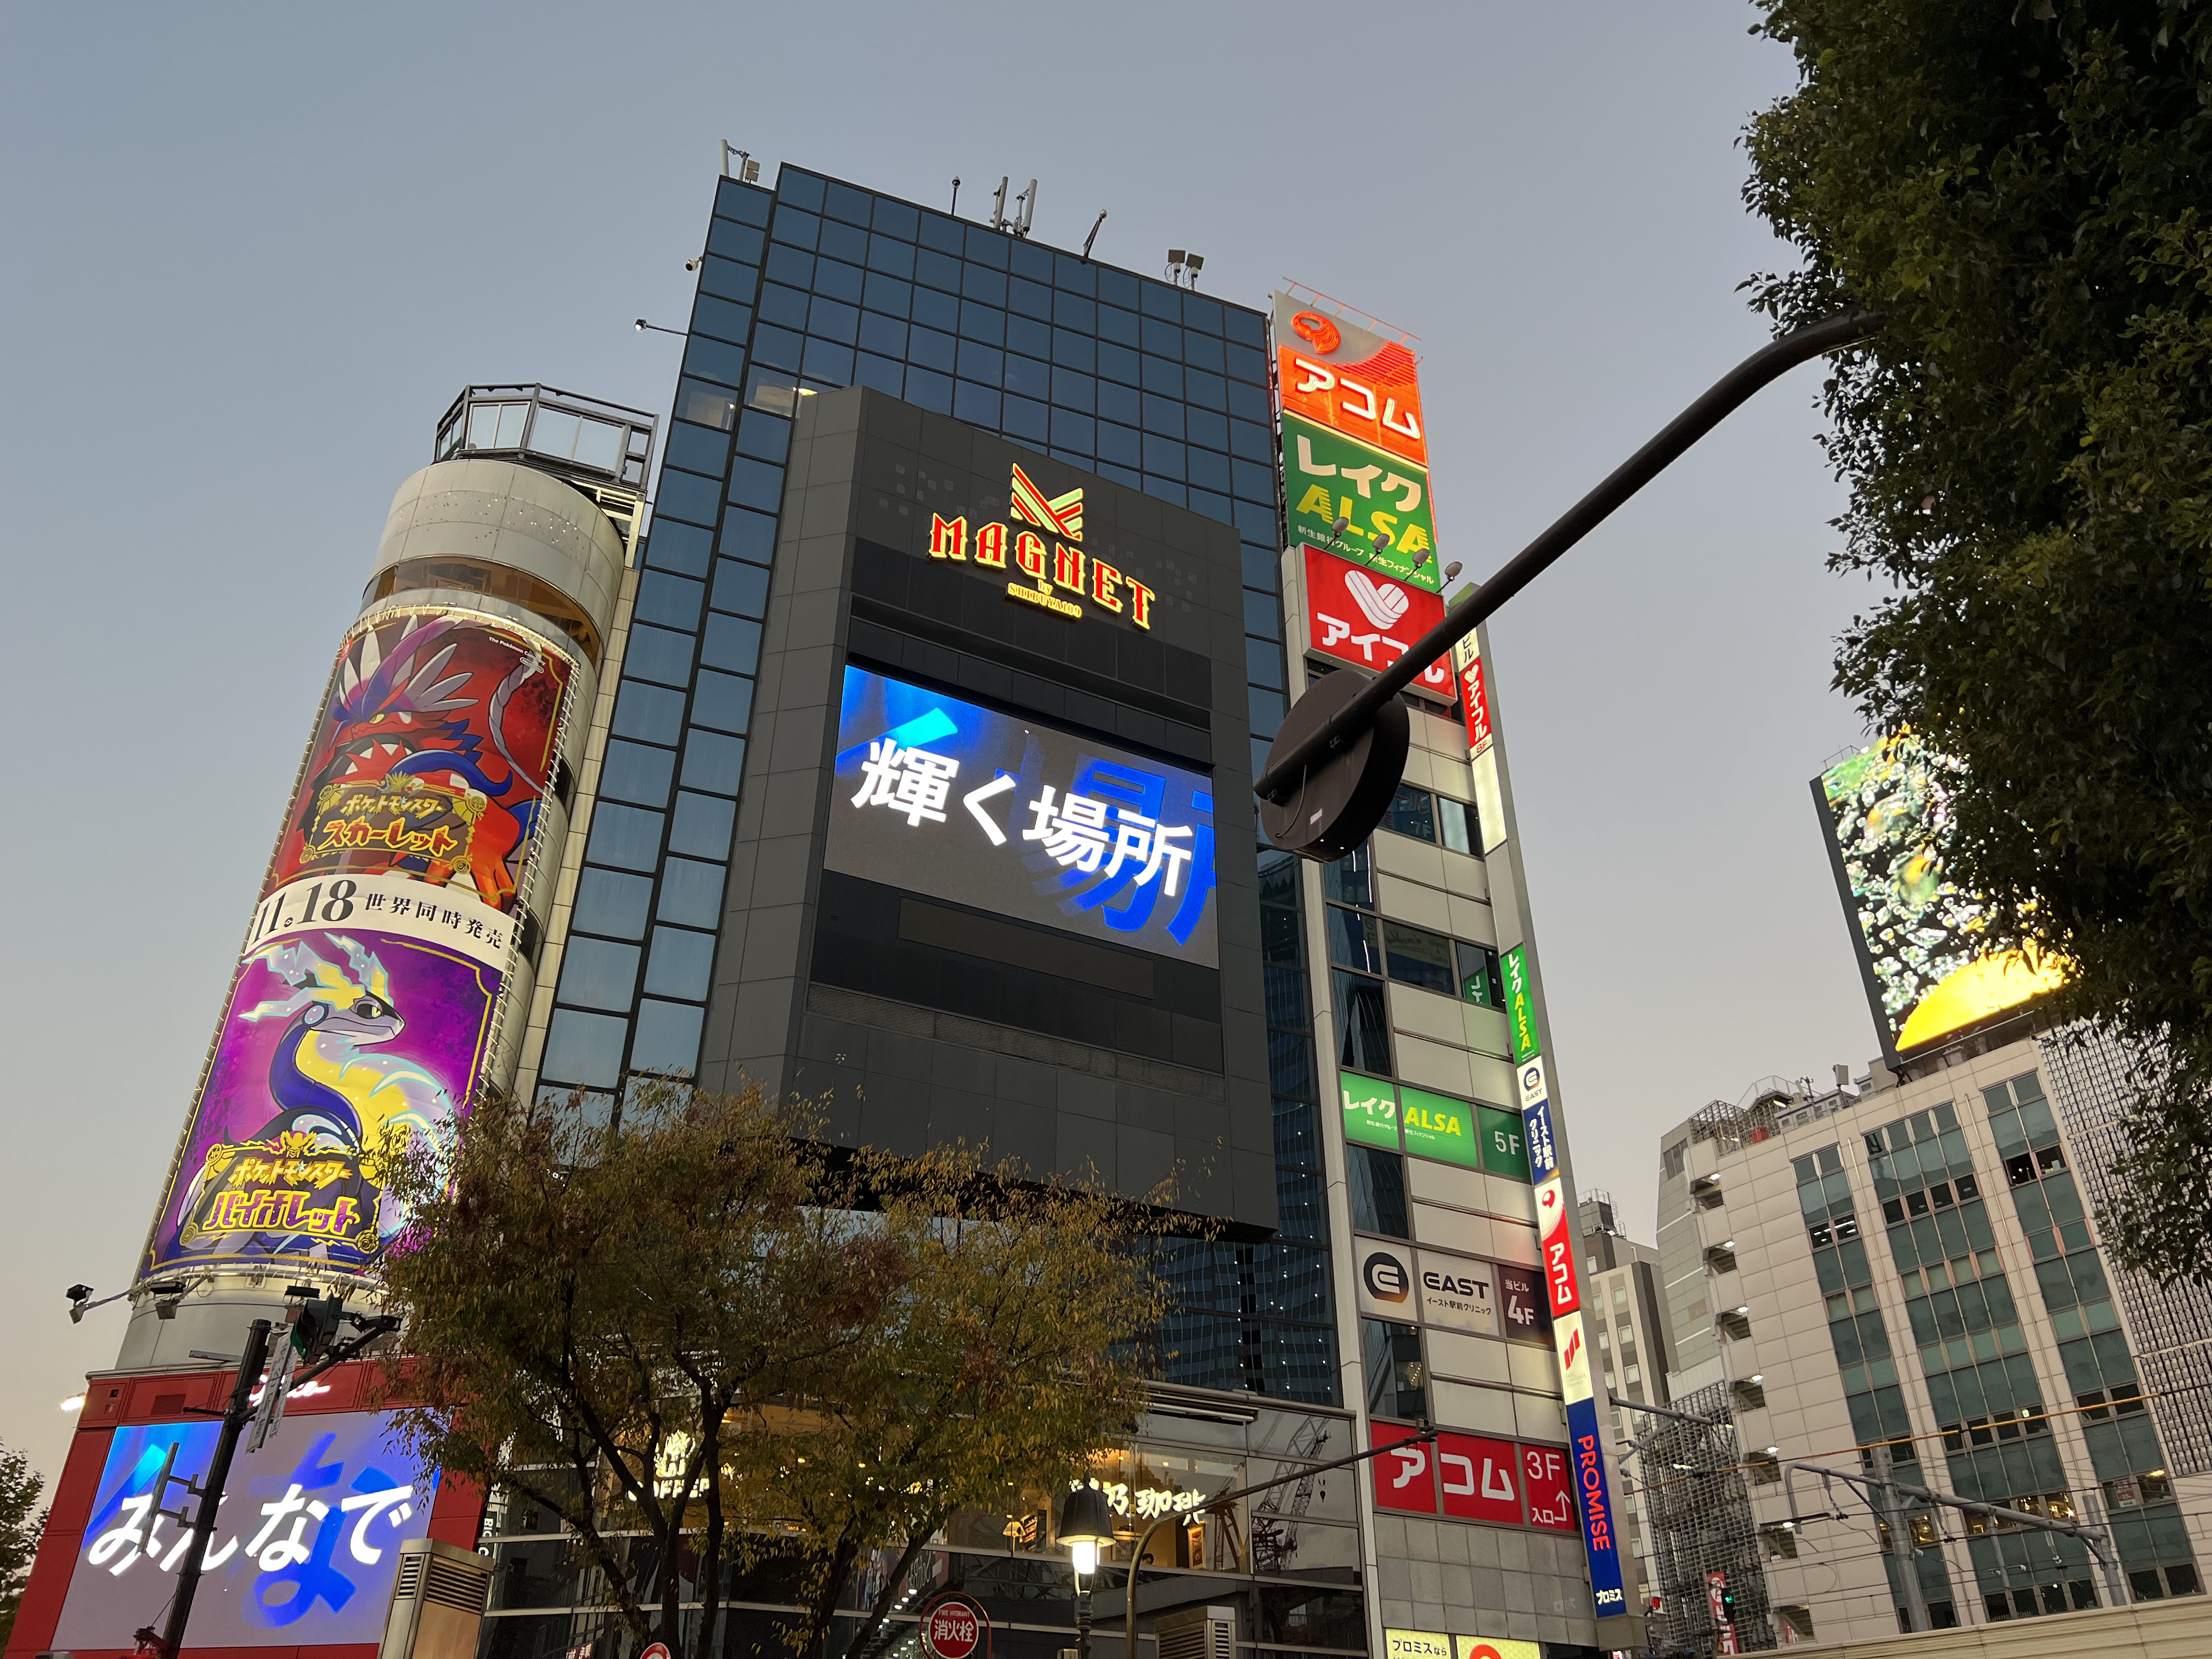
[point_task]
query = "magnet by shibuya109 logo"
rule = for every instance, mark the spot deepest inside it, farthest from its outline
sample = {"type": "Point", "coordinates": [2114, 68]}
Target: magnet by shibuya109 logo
{"type": "Point", "coordinates": [433, 758]}
{"type": "Point", "coordinates": [1061, 578]}
{"type": "Point", "coordinates": [941, 796]}
{"type": "Point", "coordinates": [307, 1538]}
{"type": "Point", "coordinates": [354, 1033]}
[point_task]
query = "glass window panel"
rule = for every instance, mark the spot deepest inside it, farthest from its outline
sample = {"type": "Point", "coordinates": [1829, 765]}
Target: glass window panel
{"type": "Point", "coordinates": [553, 433]}
{"type": "Point", "coordinates": [1208, 471]}
{"type": "Point", "coordinates": [1354, 937]}
{"type": "Point", "coordinates": [731, 642]}
{"type": "Point", "coordinates": [1160, 338]}
{"type": "Point", "coordinates": [1070, 390]}
{"type": "Point", "coordinates": [687, 496]}
{"type": "Point", "coordinates": [982, 322]}
{"type": "Point", "coordinates": [983, 364]}
{"type": "Point", "coordinates": [1248, 365]}
{"type": "Point", "coordinates": [984, 285]}
{"type": "Point", "coordinates": [626, 837]}
{"type": "Point", "coordinates": [834, 320]}
{"type": "Point", "coordinates": [657, 653]}
{"type": "Point", "coordinates": [598, 973]}
{"type": "Point", "coordinates": [1023, 418]}
{"type": "Point", "coordinates": [741, 243]}
{"type": "Point", "coordinates": [1076, 351]}
{"type": "Point", "coordinates": [682, 963]}
{"type": "Point", "coordinates": [840, 244]}
{"type": "Point", "coordinates": [756, 484]}
{"type": "Point", "coordinates": [1029, 260]}
{"type": "Point", "coordinates": [1119, 402]}
{"type": "Point", "coordinates": [1074, 433]}
{"type": "Point", "coordinates": [1259, 566]}
{"type": "Point", "coordinates": [937, 271]}
{"type": "Point", "coordinates": [655, 712]}
{"type": "Point", "coordinates": [741, 589]}
{"type": "Point", "coordinates": [1028, 377]}
{"type": "Point", "coordinates": [584, 1048]}
{"type": "Point", "coordinates": [779, 348]}
{"type": "Point", "coordinates": [774, 390]}
{"type": "Point", "coordinates": [1167, 489]}
{"type": "Point", "coordinates": [610, 902]}
{"type": "Point", "coordinates": [667, 1040]}
{"type": "Point", "coordinates": [1462, 830]}
{"type": "Point", "coordinates": [701, 826]}
{"type": "Point", "coordinates": [791, 226]}
{"type": "Point", "coordinates": [1163, 378]}
{"type": "Point", "coordinates": [897, 218]}
{"type": "Point", "coordinates": [1412, 813]}
{"type": "Point", "coordinates": [749, 536]}
{"type": "Point", "coordinates": [1118, 326]}
{"type": "Point", "coordinates": [784, 306]}
{"type": "Point", "coordinates": [701, 448]}
{"type": "Point", "coordinates": [946, 236]}
{"type": "Point", "coordinates": [723, 318]}
{"type": "Point", "coordinates": [1200, 351]}
{"type": "Point", "coordinates": [930, 389]}
{"type": "Point", "coordinates": [1420, 957]}
{"type": "Point", "coordinates": [763, 436]}
{"type": "Point", "coordinates": [883, 374]}
{"type": "Point", "coordinates": [988, 247]}
{"type": "Point", "coordinates": [829, 362]}
{"type": "Point", "coordinates": [1031, 339]}
{"type": "Point", "coordinates": [788, 266]}
{"type": "Point", "coordinates": [1250, 402]}
{"type": "Point", "coordinates": [885, 336]}
{"type": "Point", "coordinates": [1479, 977]}
{"type": "Point", "coordinates": [1253, 480]}
{"type": "Point", "coordinates": [1263, 662]}
{"type": "Point", "coordinates": [713, 762]}
{"type": "Point", "coordinates": [1262, 616]}
{"type": "Point", "coordinates": [1363, 1023]}
{"type": "Point", "coordinates": [724, 702]}
{"type": "Point", "coordinates": [842, 202]}
{"type": "Point", "coordinates": [938, 310]}
{"type": "Point", "coordinates": [1119, 363]}
{"type": "Point", "coordinates": [709, 406]}
{"type": "Point", "coordinates": [1163, 457]}
{"type": "Point", "coordinates": [1351, 879]}
{"type": "Point", "coordinates": [1251, 442]}
{"type": "Point", "coordinates": [931, 350]}
{"type": "Point", "coordinates": [888, 295]}
{"type": "Point", "coordinates": [691, 892]}
{"type": "Point", "coordinates": [1378, 1191]}
{"type": "Point", "coordinates": [1164, 415]}
{"type": "Point", "coordinates": [1265, 709]}
{"type": "Point", "coordinates": [1075, 273]}
{"type": "Point", "coordinates": [636, 774]}
{"type": "Point", "coordinates": [976, 404]}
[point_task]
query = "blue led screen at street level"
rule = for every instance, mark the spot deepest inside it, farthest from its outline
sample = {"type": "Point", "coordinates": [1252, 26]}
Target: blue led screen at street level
{"type": "Point", "coordinates": [945, 799]}
{"type": "Point", "coordinates": [305, 1545]}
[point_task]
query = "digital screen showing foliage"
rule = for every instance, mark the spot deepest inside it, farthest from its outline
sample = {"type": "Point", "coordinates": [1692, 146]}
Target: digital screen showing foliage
{"type": "Point", "coordinates": [1890, 812]}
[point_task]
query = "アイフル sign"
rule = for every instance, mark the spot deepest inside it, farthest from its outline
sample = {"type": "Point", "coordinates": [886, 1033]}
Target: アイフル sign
{"type": "Point", "coordinates": [1358, 612]}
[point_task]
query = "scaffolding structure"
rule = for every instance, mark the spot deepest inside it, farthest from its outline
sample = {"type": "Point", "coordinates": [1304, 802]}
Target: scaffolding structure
{"type": "Point", "coordinates": [1690, 1475]}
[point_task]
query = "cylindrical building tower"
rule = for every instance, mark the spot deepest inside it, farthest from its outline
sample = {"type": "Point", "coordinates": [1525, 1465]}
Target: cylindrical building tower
{"type": "Point", "coordinates": [387, 971]}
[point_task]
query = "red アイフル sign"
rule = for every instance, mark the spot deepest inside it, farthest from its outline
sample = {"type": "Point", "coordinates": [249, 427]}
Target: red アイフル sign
{"type": "Point", "coordinates": [1364, 618]}
{"type": "Point", "coordinates": [1474, 700]}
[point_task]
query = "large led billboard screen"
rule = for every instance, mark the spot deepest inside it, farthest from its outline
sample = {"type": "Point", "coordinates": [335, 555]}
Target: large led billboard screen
{"type": "Point", "coordinates": [306, 1543]}
{"type": "Point", "coordinates": [1889, 811]}
{"type": "Point", "coordinates": [943, 797]}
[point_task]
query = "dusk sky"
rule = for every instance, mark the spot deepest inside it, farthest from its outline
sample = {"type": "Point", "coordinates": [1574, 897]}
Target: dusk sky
{"type": "Point", "coordinates": [254, 250]}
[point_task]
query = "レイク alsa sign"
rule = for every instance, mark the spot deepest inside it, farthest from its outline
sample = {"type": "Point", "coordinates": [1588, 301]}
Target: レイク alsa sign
{"type": "Point", "coordinates": [1052, 574]}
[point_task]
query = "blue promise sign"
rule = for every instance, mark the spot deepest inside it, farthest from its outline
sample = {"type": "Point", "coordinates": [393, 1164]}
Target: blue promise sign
{"type": "Point", "coordinates": [305, 1544]}
{"type": "Point", "coordinates": [941, 796]}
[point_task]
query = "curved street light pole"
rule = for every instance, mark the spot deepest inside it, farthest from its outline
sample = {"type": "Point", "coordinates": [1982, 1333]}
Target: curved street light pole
{"type": "Point", "coordinates": [1769, 363]}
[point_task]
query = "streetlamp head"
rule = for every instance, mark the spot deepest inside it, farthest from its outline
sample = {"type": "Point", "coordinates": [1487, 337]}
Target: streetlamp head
{"type": "Point", "coordinates": [1086, 1523]}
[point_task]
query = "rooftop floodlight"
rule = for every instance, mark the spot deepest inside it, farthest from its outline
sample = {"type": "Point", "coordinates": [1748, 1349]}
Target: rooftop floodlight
{"type": "Point", "coordinates": [1338, 528]}
{"type": "Point", "coordinates": [1175, 256]}
{"type": "Point", "coordinates": [1452, 570]}
{"type": "Point", "coordinates": [1383, 541]}
{"type": "Point", "coordinates": [1086, 1521]}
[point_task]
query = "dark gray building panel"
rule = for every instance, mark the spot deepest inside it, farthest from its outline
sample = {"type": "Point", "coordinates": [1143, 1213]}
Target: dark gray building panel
{"type": "Point", "coordinates": [1178, 1088]}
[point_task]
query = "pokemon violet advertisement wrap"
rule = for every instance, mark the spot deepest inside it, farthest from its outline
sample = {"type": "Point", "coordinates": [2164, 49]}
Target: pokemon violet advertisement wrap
{"type": "Point", "coordinates": [357, 1025]}
{"type": "Point", "coordinates": [305, 1544]}
{"type": "Point", "coordinates": [436, 750]}
{"type": "Point", "coordinates": [939, 796]}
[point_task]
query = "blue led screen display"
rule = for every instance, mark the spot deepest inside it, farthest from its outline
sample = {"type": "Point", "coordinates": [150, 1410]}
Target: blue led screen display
{"type": "Point", "coordinates": [944, 798]}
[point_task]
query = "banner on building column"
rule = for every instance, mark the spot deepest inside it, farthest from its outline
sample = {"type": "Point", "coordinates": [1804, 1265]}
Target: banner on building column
{"type": "Point", "coordinates": [1563, 1291]}
{"type": "Point", "coordinates": [358, 1021]}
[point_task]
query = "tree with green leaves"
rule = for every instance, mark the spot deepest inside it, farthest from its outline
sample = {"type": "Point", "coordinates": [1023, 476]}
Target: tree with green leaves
{"type": "Point", "coordinates": [22, 1523]}
{"type": "Point", "coordinates": [2020, 186]}
{"type": "Point", "coordinates": [720, 1350]}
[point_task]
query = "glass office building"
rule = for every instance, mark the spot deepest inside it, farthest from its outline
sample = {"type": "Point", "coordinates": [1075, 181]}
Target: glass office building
{"type": "Point", "coordinates": [816, 285]}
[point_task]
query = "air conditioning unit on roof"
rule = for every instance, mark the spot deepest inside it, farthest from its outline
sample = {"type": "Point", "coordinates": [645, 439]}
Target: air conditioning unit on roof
{"type": "Point", "coordinates": [437, 1603]}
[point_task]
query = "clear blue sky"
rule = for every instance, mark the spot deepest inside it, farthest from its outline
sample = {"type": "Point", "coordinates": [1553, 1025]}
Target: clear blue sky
{"type": "Point", "coordinates": [251, 251]}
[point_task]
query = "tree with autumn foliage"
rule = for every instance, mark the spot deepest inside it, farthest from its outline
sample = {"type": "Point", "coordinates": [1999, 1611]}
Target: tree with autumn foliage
{"type": "Point", "coordinates": [717, 1348]}
{"type": "Point", "coordinates": [2019, 186]}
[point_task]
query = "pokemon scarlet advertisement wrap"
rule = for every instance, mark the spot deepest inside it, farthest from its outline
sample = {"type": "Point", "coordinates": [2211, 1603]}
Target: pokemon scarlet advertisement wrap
{"type": "Point", "coordinates": [1362, 617]}
{"type": "Point", "coordinates": [363, 1004]}
{"type": "Point", "coordinates": [1563, 1287]}
{"type": "Point", "coordinates": [1354, 449]}
{"type": "Point", "coordinates": [435, 753]}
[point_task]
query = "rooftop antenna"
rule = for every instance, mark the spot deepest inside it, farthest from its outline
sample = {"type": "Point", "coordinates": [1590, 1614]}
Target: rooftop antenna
{"type": "Point", "coordinates": [955, 207]}
{"type": "Point", "coordinates": [1093, 236]}
{"type": "Point", "coordinates": [1028, 199]}
{"type": "Point", "coordinates": [998, 205]}
{"type": "Point", "coordinates": [748, 169]}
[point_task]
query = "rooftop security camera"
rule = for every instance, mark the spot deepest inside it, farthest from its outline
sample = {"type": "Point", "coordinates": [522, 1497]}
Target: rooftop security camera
{"type": "Point", "coordinates": [694, 262]}
{"type": "Point", "coordinates": [78, 1292]}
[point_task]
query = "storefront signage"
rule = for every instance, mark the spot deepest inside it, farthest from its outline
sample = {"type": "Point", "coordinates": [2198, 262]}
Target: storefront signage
{"type": "Point", "coordinates": [1370, 1110]}
{"type": "Point", "coordinates": [1473, 695]}
{"type": "Point", "coordinates": [1357, 613]}
{"type": "Point", "coordinates": [1416, 1645]}
{"type": "Point", "coordinates": [1386, 1281]}
{"type": "Point", "coordinates": [305, 1545]}
{"type": "Point", "coordinates": [1521, 1302]}
{"type": "Point", "coordinates": [1456, 1292]}
{"type": "Point", "coordinates": [1145, 1503]}
{"type": "Point", "coordinates": [1520, 1003]}
{"type": "Point", "coordinates": [1328, 476]}
{"type": "Point", "coordinates": [1494, 1647]}
{"type": "Point", "coordinates": [1340, 373]}
{"type": "Point", "coordinates": [1478, 1476]}
{"type": "Point", "coordinates": [1404, 1477]}
{"type": "Point", "coordinates": [1438, 1126]}
{"type": "Point", "coordinates": [1060, 576]}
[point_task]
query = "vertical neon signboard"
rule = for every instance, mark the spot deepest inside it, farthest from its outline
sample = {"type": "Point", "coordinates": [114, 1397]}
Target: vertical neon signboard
{"type": "Point", "coordinates": [1563, 1296]}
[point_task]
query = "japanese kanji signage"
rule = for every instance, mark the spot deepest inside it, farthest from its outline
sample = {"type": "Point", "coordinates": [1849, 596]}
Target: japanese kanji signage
{"type": "Point", "coordinates": [1356, 613]}
{"type": "Point", "coordinates": [941, 796]}
{"type": "Point", "coordinates": [306, 1543]}
{"type": "Point", "coordinates": [1328, 476]}
{"type": "Point", "coordinates": [1052, 571]}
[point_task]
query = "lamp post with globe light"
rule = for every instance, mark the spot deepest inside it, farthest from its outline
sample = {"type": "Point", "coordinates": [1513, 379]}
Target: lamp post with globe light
{"type": "Point", "coordinates": [1087, 1525]}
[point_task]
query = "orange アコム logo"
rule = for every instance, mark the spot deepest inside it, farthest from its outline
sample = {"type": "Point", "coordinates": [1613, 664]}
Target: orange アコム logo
{"type": "Point", "coordinates": [1317, 331]}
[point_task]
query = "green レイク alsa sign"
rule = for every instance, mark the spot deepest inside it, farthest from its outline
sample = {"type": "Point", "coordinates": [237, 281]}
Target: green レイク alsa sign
{"type": "Point", "coordinates": [1438, 1126]}
{"type": "Point", "coordinates": [1505, 1152]}
{"type": "Point", "coordinates": [1328, 476]}
{"type": "Point", "coordinates": [1370, 1110]}
{"type": "Point", "coordinates": [1520, 1005]}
